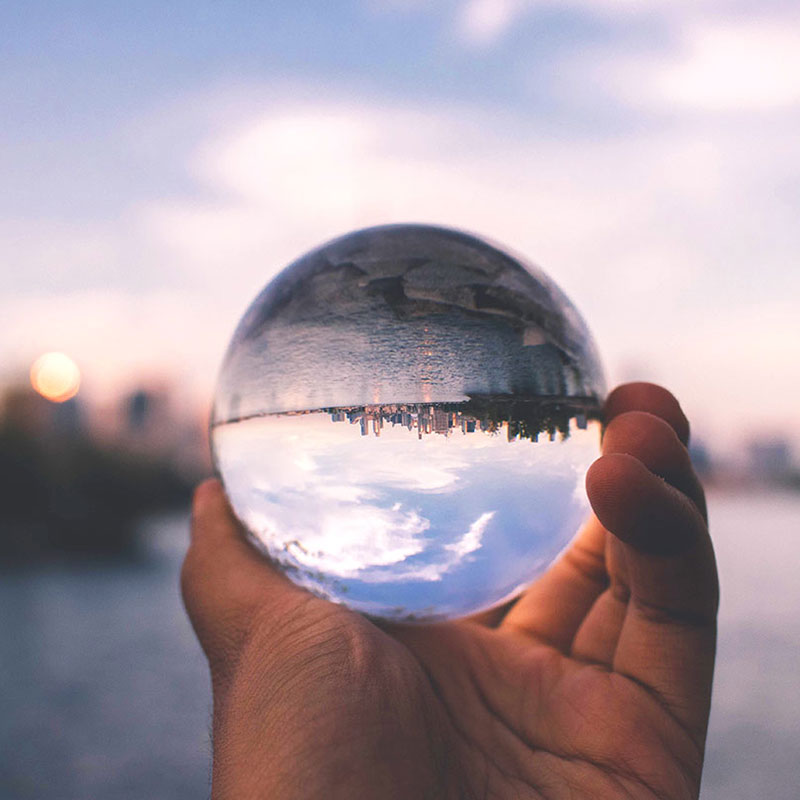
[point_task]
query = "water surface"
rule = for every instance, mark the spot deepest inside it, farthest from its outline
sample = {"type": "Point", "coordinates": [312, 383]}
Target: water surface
{"type": "Point", "coordinates": [104, 691]}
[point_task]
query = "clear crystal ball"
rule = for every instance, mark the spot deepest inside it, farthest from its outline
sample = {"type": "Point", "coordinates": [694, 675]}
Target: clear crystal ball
{"type": "Point", "coordinates": [403, 421]}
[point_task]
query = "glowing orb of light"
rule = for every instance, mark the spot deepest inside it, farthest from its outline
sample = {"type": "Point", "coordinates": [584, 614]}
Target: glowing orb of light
{"type": "Point", "coordinates": [55, 376]}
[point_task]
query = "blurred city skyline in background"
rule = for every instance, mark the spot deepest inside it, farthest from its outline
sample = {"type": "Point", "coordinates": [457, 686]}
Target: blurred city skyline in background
{"type": "Point", "coordinates": [161, 164]}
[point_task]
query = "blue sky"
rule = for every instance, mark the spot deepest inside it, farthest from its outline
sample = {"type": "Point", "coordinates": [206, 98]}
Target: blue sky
{"type": "Point", "coordinates": [160, 164]}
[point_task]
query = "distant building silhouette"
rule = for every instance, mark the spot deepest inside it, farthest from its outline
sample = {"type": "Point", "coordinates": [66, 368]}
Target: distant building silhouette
{"type": "Point", "coordinates": [770, 459]}
{"type": "Point", "coordinates": [139, 406]}
{"type": "Point", "coordinates": [68, 488]}
{"type": "Point", "coordinates": [26, 410]}
{"type": "Point", "coordinates": [701, 458]}
{"type": "Point", "coordinates": [521, 418]}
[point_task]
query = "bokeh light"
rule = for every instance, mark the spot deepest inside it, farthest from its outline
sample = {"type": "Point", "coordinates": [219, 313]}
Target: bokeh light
{"type": "Point", "coordinates": [55, 376]}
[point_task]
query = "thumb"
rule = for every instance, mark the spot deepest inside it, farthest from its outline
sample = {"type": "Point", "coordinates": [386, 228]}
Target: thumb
{"type": "Point", "coordinates": [227, 585]}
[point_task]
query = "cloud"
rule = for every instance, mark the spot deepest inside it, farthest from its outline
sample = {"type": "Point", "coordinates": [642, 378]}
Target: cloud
{"type": "Point", "coordinates": [643, 205]}
{"type": "Point", "coordinates": [483, 22]}
{"type": "Point", "coordinates": [748, 65]}
{"type": "Point", "coordinates": [391, 509]}
{"type": "Point", "coordinates": [471, 540]}
{"type": "Point", "coordinates": [44, 255]}
{"type": "Point", "coordinates": [357, 539]}
{"type": "Point", "coordinates": [290, 179]}
{"type": "Point", "coordinates": [745, 65]}
{"type": "Point", "coordinates": [651, 231]}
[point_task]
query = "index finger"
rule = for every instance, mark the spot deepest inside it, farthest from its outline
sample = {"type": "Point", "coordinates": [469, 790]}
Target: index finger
{"type": "Point", "coordinates": [650, 398]}
{"type": "Point", "coordinates": [668, 636]}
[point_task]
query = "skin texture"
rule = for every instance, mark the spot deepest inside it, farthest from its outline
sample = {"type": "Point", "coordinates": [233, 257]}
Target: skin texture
{"type": "Point", "coordinates": [595, 683]}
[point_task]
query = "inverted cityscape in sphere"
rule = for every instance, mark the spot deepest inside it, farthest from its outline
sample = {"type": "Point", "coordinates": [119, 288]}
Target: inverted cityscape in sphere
{"type": "Point", "coordinates": [403, 421]}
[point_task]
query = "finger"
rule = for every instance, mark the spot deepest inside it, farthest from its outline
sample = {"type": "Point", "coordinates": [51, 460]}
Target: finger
{"type": "Point", "coordinates": [225, 581]}
{"type": "Point", "coordinates": [654, 442]}
{"type": "Point", "coordinates": [667, 640]}
{"type": "Point", "coordinates": [651, 398]}
{"type": "Point", "coordinates": [646, 420]}
{"type": "Point", "coordinates": [596, 638]}
{"type": "Point", "coordinates": [553, 607]}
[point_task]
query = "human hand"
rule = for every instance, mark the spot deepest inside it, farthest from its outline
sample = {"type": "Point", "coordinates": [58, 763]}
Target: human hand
{"type": "Point", "coordinates": [595, 683]}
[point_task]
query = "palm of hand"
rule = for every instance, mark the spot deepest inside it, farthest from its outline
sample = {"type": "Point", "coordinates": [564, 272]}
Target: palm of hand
{"type": "Point", "coordinates": [594, 684]}
{"type": "Point", "coordinates": [530, 721]}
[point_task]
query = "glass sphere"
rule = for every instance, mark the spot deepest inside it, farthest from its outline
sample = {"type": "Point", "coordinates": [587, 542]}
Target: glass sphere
{"type": "Point", "coordinates": [403, 421]}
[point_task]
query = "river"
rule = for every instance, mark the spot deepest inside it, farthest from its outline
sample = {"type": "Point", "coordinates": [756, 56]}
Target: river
{"type": "Point", "coordinates": [104, 691]}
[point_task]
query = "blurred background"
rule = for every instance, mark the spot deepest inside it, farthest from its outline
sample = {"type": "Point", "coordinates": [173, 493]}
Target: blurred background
{"type": "Point", "coordinates": [161, 162]}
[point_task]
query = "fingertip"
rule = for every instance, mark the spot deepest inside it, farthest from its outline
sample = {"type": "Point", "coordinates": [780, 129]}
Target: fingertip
{"type": "Point", "coordinates": [651, 398]}
{"type": "Point", "coordinates": [640, 433]}
{"type": "Point", "coordinates": [606, 479]}
{"type": "Point", "coordinates": [207, 494]}
{"type": "Point", "coordinates": [640, 508]}
{"type": "Point", "coordinates": [654, 442]}
{"type": "Point", "coordinates": [212, 516]}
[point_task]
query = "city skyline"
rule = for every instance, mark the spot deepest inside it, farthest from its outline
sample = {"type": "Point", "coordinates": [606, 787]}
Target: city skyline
{"type": "Point", "coordinates": [518, 416]}
{"type": "Point", "coordinates": [444, 419]}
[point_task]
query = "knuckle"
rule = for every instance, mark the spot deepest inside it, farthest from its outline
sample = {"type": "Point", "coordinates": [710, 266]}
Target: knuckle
{"type": "Point", "coordinates": [654, 441]}
{"type": "Point", "coordinates": [658, 614]}
{"type": "Point", "coordinates": [642, 427]}
{"type": "Point", "coordinates": [587, 563]}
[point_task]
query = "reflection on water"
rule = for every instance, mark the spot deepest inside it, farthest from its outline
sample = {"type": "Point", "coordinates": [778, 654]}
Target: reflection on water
{"type": "Point", "coordinates": [412, 511]}
{"type": "Point", "coordinates": [104, 691]}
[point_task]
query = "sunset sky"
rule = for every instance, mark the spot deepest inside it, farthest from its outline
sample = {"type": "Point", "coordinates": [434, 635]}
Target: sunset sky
{"type": "Point", "coordinates": [160, 163]}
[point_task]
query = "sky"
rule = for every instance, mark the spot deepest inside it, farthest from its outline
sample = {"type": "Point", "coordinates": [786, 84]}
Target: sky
{"type": "Point", "coordinates": [363, 510]}
{"type": "Point", "coordinates": [161, 162]}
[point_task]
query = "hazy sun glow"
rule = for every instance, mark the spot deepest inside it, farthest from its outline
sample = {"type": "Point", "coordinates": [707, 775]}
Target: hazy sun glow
{"type": "Point", "coordinates": [55, 376]}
